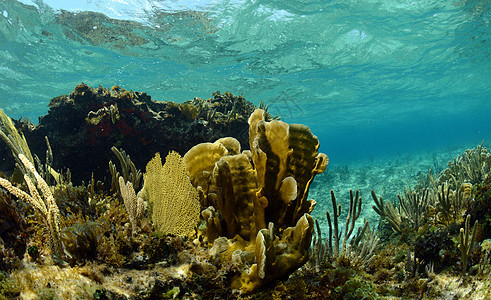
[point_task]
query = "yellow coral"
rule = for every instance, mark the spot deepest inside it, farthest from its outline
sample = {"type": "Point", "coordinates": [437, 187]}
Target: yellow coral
{"type": "Point", "coordinates": [265, 185]}
{"type": "Point", "coordinates": [15, 140]}
{"type": "Point", "coordinates": [236, 188]}
{"type": "Point", "coordinates": [202, 158]}
{"type": "Point", "coordinates": [175, 201]}
{"type": "Point", "coordinates": [486, 245]}
{"type": "Point", "coordinates": [467, 189]}
{"type": "Point", "coordinates": [281, 151]}
{"type": "Point", "coordinates": [276, 257]}
{"type": "Point", "coordinates": [46, 204]}
{"type": "Point", "coordinates": [231, 144]}
{"type": "Point", "coordinates": [188, 110]}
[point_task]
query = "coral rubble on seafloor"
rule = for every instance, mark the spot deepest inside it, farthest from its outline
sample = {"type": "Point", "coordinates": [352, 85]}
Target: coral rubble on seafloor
{"type": "Point", "coordinates": [230, 218]}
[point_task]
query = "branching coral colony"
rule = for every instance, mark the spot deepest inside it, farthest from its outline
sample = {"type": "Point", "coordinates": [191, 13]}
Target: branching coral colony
{"type": "Point", "coordinates": [447, 202]}
{"type": "Point", "coordinates": [447, 221]}
{"type": "Point", "coordinates": [428, 244]}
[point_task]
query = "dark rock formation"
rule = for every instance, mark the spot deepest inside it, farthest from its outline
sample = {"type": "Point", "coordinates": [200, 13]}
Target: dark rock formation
{"type": "Point", "coordinates": [83, 126]}
{"type": "Point", "coordinates": [12, 236]}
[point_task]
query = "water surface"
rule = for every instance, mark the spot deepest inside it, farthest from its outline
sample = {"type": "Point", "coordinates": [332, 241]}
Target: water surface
{"type": "Point", "coordinates": [371, 78]}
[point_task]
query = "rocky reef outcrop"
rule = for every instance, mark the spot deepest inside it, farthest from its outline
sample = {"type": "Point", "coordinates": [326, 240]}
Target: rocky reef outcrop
{"type": "Point", "coordinates": [84, 125]}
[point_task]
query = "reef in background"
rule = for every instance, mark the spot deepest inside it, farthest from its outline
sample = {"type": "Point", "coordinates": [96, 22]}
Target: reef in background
{"type": "Point", "coordinates": [84, 125]}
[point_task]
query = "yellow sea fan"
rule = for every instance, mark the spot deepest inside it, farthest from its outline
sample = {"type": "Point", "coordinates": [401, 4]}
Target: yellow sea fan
{"type": "Point", "coordinates": [175, 201]}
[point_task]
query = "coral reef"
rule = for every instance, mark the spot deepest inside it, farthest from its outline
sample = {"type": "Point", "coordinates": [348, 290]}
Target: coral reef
{"type": "Point", "coordinates": [175, 202]}
{"type": "Point", "coordinates": [248, 197]}
{"type": "Point", "coordinates": [433, 234]}
{"type": "Point", "coordinates": [473, 166]}
{"type": "Point", "coordinates": [42, 199]}
{"type": "Point", "coordinates": [440, 226]}
{"type": "Point", "coordinates": [252, 244]}
{"type": "Point", "coordinates": [83, 127]}
{"type": "Point", "coordinates": [248, 231]}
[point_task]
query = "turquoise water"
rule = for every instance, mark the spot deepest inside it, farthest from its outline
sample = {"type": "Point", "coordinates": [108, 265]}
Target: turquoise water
{"type": "Point", "coordinates": [370, 78]}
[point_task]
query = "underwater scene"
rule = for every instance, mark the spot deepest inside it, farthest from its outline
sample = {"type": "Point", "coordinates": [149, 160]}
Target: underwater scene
{"type": "Point", "coordinates": [245, 149]}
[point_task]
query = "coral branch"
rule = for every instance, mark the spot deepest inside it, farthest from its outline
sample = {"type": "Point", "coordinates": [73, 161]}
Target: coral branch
{"type": "Point", "coordinates": [467, 242]}
{"type": "Point", "coordinates": [45, 204]}
{"type": "Point", "coordinates": [134, 204]}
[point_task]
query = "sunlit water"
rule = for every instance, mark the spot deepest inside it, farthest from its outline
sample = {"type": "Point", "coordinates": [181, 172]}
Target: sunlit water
{"type": "Point", "coordinates": [372, 79]}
